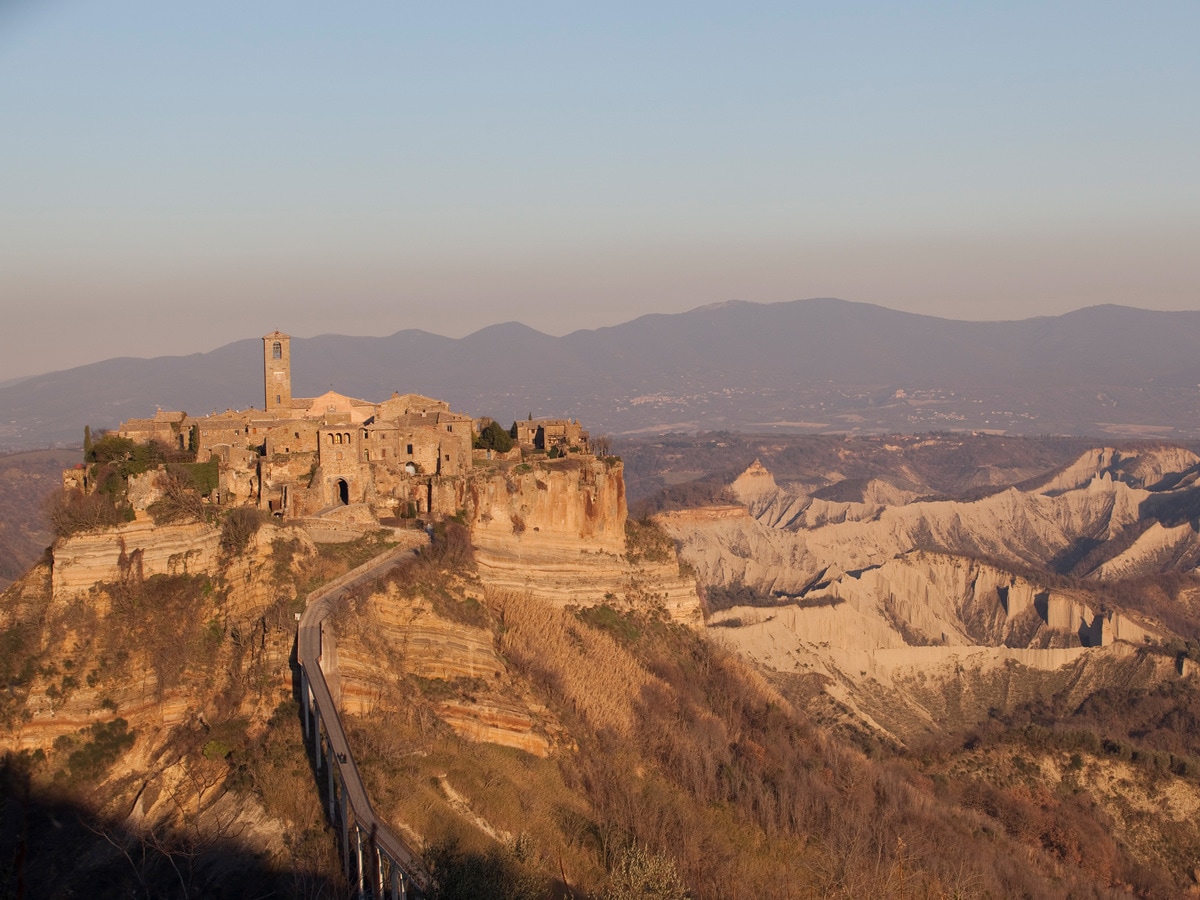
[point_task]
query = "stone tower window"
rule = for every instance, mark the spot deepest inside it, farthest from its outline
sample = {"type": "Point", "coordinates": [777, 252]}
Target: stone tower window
{"type": "Point", "coordinates": [277, 350]}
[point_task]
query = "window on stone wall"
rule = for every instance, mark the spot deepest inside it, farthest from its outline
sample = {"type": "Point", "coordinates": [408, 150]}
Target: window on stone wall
{"type": "Point", "coordinates": [410, 449]}
{"type": "Point", "coordinates": [277, 350]}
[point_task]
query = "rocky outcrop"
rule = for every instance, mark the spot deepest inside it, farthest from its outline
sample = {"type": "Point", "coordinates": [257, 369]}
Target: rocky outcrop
{"type": "Point", "coordinates": [542, 510]}
{"type": "Point", "coordinates": [84, 625]}
{"type": "Point", "coordinates": [557, 530]}
{"type": "Point", "coordinates": [394, 636]}
{"type": "Point", "coordinates": [83, 560]}
{"type": "Point", "coordinates": [891, 588]}
{"type": "Point", "coordinates": [503, 723]}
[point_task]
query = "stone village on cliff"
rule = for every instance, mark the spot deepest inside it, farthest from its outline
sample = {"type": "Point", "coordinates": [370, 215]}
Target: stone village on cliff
{"type": "Point", "coordinates": [300, 457]}
{"type": "Point", "coordinates": [548, 515]}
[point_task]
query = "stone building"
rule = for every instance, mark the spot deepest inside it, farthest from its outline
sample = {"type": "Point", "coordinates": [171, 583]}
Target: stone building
{"type": "Point", "coordinates": [277, 373]}
{"type": "Point", "coordinates": [300, 455]}
{"type": "Point", "coordinates": [169, 428]}
{"type": "Point", "coordinates": [547, 434]}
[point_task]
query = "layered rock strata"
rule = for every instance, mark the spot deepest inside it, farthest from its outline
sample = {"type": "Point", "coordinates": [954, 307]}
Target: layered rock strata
{"type": "Point", "coordinates": [557, 530]}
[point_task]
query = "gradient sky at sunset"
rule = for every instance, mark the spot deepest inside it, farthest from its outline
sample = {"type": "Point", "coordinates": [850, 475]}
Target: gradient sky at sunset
{"type": "Point", "coordinates": [174, 176]}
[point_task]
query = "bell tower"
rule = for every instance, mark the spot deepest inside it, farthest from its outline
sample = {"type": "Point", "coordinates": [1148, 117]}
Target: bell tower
{"type": "Point", "coordinates": [277, 372]}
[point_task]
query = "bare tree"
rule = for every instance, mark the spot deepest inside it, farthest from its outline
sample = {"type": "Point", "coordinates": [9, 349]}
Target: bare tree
{"type": "Point", "coordinates": [179, 502]}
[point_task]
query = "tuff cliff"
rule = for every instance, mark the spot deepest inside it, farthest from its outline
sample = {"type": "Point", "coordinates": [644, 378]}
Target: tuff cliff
{"type": "Point", "coordinates": [557, 529]}
{"type": "Point", "coordinates": [135, 691]}
{"type": "Point", "coordinates": [553, 532]}
{"type": "Point", "coordinates": [83, 560]}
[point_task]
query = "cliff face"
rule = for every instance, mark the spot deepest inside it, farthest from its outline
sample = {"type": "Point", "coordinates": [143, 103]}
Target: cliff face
{"type": "Point", "coordinates": [180, 669]}
{"type": "Point", "coordinates": [90, 617]}
{"type": "Point", "coordinates": [557, 530]}
{"type": "Point", "coordinates": [547, 510]}
{"type": "Point", "coordinates": [391, 635]}
{"type": "Point", "coordinates": [83, 560]}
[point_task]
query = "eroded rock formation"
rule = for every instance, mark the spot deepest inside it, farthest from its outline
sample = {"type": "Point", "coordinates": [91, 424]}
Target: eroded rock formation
{"type": "Point", "coordinates": [889, 587]}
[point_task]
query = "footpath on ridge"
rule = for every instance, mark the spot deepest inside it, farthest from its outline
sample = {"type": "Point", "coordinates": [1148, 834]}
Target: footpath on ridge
{"type": "Point", "coordinates": [319, 605]}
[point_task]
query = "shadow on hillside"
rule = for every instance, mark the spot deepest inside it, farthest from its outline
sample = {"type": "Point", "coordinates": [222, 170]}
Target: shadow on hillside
{"type": "Point", "coordinates": [53, 846]}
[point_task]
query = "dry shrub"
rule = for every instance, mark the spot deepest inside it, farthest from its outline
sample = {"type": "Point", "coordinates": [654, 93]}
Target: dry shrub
{"type": "Point", "coordinates": [179, 502]}
{"type": "Point", "coordinates": [588, 671]}
{"type": "Point", "coordinates": [163, 616]}
{"type": "Point", "coordinates": [72, 512]}
{"type": "Point", "coordinates": [239, 526]}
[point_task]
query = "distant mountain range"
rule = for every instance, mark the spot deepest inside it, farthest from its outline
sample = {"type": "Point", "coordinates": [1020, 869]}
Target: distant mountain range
{"type": "Point", "coordinates": [810, 365]}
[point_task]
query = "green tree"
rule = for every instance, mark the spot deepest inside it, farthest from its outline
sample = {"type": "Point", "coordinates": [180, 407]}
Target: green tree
{"type": "Point", "coordinates": [494, 437]}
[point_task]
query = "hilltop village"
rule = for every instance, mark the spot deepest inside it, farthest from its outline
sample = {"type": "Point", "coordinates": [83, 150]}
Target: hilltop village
{"type": "Point", "coordinates": [301, 457]}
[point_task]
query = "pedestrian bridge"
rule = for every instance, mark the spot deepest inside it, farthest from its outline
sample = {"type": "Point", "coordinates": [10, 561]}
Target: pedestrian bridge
{"type": "Point", "coordinates": [378, 863]}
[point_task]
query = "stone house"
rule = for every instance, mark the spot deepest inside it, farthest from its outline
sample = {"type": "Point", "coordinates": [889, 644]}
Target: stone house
{"type": "Point", "coordinates": [169, 428]}
{"type": "Point", "coordinates": [545, 434]}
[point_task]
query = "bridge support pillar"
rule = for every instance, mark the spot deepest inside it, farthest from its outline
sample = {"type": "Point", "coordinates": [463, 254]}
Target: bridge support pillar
{"type": "Point", "coordinates": [306, 702]}
{"type": "Point", "coordinates": [317, 737]}
{"type": "Point", "coordinates": [362, 893]}
{"type": "Point", "coordinates": [346, 839]}
{"type": "Point", "coordinates": [332, 794]}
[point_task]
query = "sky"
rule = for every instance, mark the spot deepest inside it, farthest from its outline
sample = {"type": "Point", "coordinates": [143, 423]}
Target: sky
{"type": "Point", "coordinates": [176, 176]}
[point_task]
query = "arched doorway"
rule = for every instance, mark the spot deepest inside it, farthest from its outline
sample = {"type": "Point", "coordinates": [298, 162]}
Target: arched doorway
{"type": "Point", "coordinates": [343, 490]}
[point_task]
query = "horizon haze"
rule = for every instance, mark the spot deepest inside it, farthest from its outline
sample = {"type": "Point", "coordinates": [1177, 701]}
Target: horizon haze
{"type": "Point", "coordinates": [814, 366]}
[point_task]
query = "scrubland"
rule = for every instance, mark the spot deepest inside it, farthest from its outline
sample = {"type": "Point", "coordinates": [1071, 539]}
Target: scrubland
{"type": "Point", "coordinates": [671, 751]}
